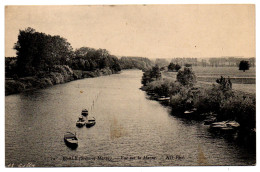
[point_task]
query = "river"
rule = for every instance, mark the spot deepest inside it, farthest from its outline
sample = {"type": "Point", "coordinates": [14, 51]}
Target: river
{"type": "Point", "coordinates": [131, 130]}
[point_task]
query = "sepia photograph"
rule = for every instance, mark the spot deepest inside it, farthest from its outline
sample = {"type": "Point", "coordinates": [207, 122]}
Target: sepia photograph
{"type": "Point", "coordinates": [130, 85]}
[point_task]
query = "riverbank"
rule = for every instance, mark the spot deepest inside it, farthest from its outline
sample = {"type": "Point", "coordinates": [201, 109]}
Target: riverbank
{"type": "Point", "coordinates": [224, 110]}
{"type": "Point", "coordinates": [58, 75]}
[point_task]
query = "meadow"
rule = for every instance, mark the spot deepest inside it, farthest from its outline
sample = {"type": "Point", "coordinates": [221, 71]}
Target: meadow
{"type": "Point", "coordinates": [241, 81]}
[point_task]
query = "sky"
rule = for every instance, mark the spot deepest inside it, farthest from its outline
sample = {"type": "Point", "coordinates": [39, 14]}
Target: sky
{"type": "Point", "coordinates": [153, 31]}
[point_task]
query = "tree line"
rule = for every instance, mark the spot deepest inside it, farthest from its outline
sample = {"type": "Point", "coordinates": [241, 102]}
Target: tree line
{"type": "Point", "coordinates": [38, 52]}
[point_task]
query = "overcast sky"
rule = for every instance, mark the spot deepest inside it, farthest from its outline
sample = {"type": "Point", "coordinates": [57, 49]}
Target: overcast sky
{"type": "Point", "coordinates": [155, 31]}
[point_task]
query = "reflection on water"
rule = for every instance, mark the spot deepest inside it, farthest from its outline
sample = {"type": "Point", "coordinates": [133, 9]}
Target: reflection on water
{"type": "Point", "coordinates": [131, 130]}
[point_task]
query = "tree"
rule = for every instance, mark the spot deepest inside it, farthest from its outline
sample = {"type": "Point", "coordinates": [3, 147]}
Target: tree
{"type": "Point", "coordinates": [174, 67]}
{"type": "Point", "coordinates": [177, 67]}
{"type": "Point", "coordinates": [244, 65]}
{"type": "Point", "coordinates": [225, 83]}
{"type": "Point", "coordinates": [171, 67]}
{"type": "Point", "coordinates": [156, 72]}
{"type": "Point", "coordinates": [39, 52]}
{"type": "Point", "coordinates": [151, 75]}
{"type": "Point", "coordinates": [186, 77]}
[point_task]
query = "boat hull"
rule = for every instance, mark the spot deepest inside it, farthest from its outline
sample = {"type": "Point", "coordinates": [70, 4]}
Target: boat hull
{"type": "Point", "coordinates": [71, 140]}
{"type": "Point", "coordinates": [80, 124]}
{"type": "Point", "coordinates": [90, 124]}
{"type": "Point", "coordinates": [70, 145]}
{"type": "Point", "coordinates": [84, 113]}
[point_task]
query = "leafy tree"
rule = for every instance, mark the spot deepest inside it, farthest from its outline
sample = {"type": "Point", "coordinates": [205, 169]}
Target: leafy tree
{"type": "Point", "coordinates": [244, 65]}
{"type": "Point", "coordinates": [177, 67]}
{"type": "Point", "coordinates": [171, 66]}
{"type": "Point", "coordinates": [39, 52]}
{"type": "Point", "coordinates": [156, 72]}
{"type": "Point", "coordinates": [151, 75]}
{"type": "Point", "coordinates": [225, 83]}
{"type": "Point", "coordinates": [174, 67]}
{"type": "Point", "coordinates": [186, 77]}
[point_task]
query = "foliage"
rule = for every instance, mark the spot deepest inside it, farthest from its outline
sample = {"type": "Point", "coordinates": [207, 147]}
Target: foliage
{"type": "Point", "coordinates": [186, 77]}
{"type": "Point", "coordinates": [39, 52]}
{"type": "Point", "coordinates": [225, 83]}
{"type": "Point", "coordinates": [177, 67]}
{"type": "Point", "coordinates": [161, 62]}
{"type": "Point", "coordinates": [219, 99]}
{"type": "Point", "coordinates": [141, 63]}
{"type": "Point", "coordinates": [188, 65]}
{"type": "Point", "coordinates": [163, 87]}
{"type": "Point", "coordinates": [174, 67]}
{"type": "Point", "coordinates": [244, 65]}
{"type": "Point", "coordinates": [182, 100]}
{"type": "Point", "coordinates": [151, 75]}
{"type": "Point", "coordinates": [89, 59]}
{"type": "Point", "coordinates": [10, 67]}
{"type": "Point", "coordinates": [240, 108]}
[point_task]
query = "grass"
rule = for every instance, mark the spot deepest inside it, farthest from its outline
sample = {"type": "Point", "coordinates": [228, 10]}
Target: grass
{"type": "Point", "coordinates": [242, 81]}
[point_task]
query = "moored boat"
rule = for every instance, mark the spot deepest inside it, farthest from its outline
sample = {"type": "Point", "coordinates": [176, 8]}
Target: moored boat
{"type": "Point", "coordinates": [81, 122]}
{"type": "Point", "coordinates": [71, 140]}
{"type": "Point", "coordinates": [84, 112]}
{"type": "Point", "coordinates": [90, 122]}
{"type": "Point", "coordinates": [163, 98]}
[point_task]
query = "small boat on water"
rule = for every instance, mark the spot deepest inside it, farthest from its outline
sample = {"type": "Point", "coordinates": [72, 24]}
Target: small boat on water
{"type": "Point", "coordinates": [71, 140]}
{"type": "Point", "coordinates": [189, 112]}
{"type": "Point", "coordinates": [90, 122]}
{"type": "Point", "coordinates": [84, 112]}
{"type": "Point", "coordinates": [225, 125]}
{"type": "Point", "coordinates": [163, 98]}
{"type": "Point", "coordinates": [81, 122]}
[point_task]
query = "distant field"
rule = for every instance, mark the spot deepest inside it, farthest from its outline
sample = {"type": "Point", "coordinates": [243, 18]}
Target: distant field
{"type": "Point", "coordinates": [242, 81]}
{"type": "Point", "coordinates": [224, 71]}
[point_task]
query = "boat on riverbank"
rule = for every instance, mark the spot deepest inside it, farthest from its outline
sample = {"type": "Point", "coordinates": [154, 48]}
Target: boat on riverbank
{"type": "Point", "coordinates": [71, 140]}
{"type": "Point", "coordinates": [90, 122]}
{"type": "Point", "coordinates": [225, 126]}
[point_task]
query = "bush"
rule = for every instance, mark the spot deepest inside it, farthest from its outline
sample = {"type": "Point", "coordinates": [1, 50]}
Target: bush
{"type": "Point", "coordinates": [151, 75]}
{"type": "Point", "coordinates": [174, 67]}
{"type": "Point", "coordinates": [186, 77]}
{"type": "Point", "coordinates": [225, 83]}
{"type": "Point", "coordinates": [183, 100]}
{"type": "Point", "coordinates": [12, 87]}
{"type": "Point", "coordinates": [177, 103]}
{"type": "Point", "coordinates": [239, 108]}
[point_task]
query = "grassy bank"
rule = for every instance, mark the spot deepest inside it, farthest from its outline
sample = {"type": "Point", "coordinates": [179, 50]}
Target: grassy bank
{"type": "Point", "coordinates": [217, 102]}
{"type": "Point", "coordinates": [58, 75]}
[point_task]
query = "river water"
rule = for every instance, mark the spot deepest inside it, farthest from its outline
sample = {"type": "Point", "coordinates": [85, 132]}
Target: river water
{"type": "Point", "coordinates": [131, 130]}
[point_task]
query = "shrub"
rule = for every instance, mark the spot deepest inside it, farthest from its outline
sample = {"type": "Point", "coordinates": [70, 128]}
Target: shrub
{"type": "Point", "coordinates": [12, 86]}
{"type": "Point", "coordinates": [151, 75]}
{"type": "Point", "coordinates": [209, 100]}
{"type": "Point", "coordinates": [225, 83]}
{"type": "Point", "coordinates": [183, 100]}
{"type": "Point", "coordinates": [186, 77]}
{"type": "Point", "coordinates": [239, 108]}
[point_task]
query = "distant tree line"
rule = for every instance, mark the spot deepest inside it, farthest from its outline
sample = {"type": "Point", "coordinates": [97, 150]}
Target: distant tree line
{"type": "Point", "coordinates": [213, 62]}
{"type": "Point", "coordinates": [141, 63]}
{"type": "Point", "coordinates": [89, 59]}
